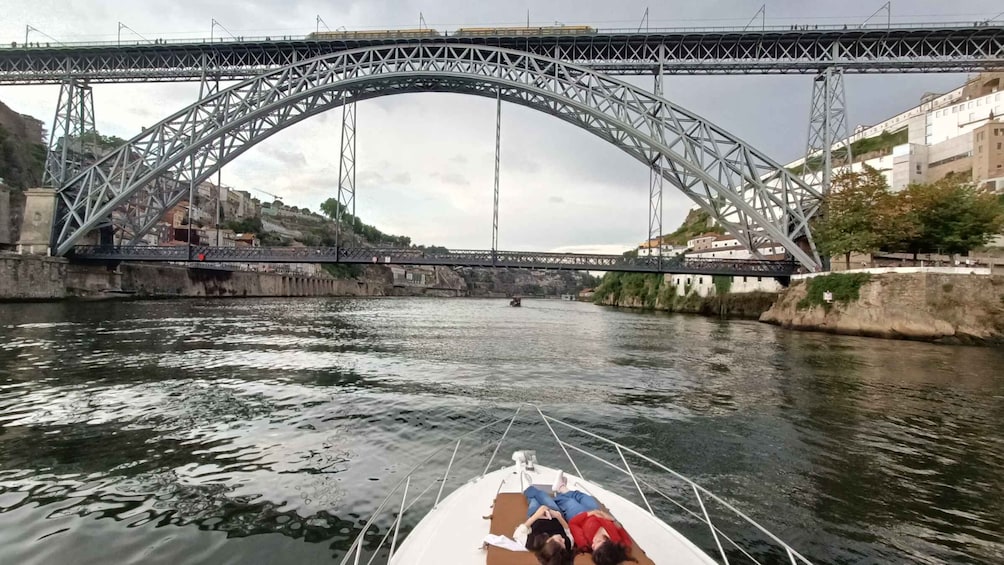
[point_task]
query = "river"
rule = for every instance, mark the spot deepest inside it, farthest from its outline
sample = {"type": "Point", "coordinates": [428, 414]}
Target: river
{"type": "Point", "coordinates": [264, 431]}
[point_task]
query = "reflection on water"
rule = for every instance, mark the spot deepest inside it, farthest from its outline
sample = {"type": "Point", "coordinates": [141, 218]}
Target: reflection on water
{"type": "Point", "coordinates": [265, 431]}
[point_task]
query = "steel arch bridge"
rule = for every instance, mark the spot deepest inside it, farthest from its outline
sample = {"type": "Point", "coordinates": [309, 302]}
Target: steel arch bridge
{"type": "Point", "coordinates": [754, 198]}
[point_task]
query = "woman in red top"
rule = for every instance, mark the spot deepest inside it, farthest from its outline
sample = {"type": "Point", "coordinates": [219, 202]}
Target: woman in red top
{"type": "Point", "coordinates": [598, 532]}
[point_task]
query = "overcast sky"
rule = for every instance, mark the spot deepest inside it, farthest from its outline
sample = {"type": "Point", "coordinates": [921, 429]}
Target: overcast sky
{"type": "Point", "coordinates": [425, 161]}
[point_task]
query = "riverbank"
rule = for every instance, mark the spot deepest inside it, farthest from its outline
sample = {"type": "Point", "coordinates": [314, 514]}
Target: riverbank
{"type": "Point", "coordinates": [926, 306]}
{"type": "Point", "coordinates": [32, 277]}
{"type": "Point", "coordinates": [652, 292]}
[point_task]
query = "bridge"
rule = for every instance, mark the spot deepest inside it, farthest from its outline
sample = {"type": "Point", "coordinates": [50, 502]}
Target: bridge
{"type": "Point", "coordinates": [453, 258]}
{"type": "Point", "coordinates": [936, 47]}
{"type": "Point", "coordinates": [566, 73]}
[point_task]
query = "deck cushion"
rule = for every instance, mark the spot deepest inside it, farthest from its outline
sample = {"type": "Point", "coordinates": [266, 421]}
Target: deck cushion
{"type": "Point", "coordinates": [509, 510]}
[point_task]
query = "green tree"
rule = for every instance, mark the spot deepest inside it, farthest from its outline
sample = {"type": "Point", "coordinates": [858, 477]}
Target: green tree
{"type": "Point", "coordinates": [860, 216]}
{"type": "Point", "coordinates": [949, 216]}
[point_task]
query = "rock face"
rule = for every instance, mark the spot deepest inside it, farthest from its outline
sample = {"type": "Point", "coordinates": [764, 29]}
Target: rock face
{"type": "Point", "coordinates": [923, 306]}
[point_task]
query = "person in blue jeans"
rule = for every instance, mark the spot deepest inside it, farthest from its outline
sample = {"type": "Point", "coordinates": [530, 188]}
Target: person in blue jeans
{"type": "Point", "coordinates": [570, 503]}
{"type": "Point", "coordinates": [545, 530]}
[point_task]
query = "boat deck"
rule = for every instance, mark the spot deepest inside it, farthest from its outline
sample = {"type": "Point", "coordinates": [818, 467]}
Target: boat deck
{"type": "Point", "coordinates": [453, 531]}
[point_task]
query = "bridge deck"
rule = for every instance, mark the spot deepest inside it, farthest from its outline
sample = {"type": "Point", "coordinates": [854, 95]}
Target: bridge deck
{"type": "Point", "coordinates": [960, 47]}
{"type": "Point", "coordinates": [466, 258]}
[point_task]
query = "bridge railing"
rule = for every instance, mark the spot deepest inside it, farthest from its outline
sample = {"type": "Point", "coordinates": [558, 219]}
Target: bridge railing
{"type": "Point", "coordinates": [553, 31]}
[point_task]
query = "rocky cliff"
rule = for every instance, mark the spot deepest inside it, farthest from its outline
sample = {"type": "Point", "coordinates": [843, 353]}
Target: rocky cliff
{"type": "Point", "coordinates": [923, 306]}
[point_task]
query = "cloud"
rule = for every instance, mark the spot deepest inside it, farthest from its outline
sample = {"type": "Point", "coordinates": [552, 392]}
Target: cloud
{"type": "Point", "coordinates": [458, 158]}
{"type": "Point", "coordinates": [522, 163]}
{"type": "Point", "coordinates": [289, 158]}
{"type": "Point", "coordinates": [556, 200]}
{"type": "Point", "coordinates": [401, 178]}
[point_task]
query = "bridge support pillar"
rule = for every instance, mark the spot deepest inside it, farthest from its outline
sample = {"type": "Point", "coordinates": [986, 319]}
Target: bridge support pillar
{"type": "Point", "coordinates": [72, 133]}
{"type": "Point", "coordinates": [655, 178]}
{"type": "Point", "coordinates": [346, 168]}
{"type": "Point", "coordinates": [827, 127]}
{"type": "Point", "coordinates": [36, 224]}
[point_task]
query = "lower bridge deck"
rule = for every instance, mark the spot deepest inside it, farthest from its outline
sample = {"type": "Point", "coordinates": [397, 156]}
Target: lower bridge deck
{"type": "Point", "coordinates": [411, 256]}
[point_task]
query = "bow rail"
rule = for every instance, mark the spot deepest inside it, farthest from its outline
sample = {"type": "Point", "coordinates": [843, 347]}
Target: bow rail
{"type": "Point", "coordinates": [730, 550]}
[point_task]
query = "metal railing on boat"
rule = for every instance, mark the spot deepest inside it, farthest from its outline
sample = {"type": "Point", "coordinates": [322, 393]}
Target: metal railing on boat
{"type": "Point", "coordinates": [701, 495]}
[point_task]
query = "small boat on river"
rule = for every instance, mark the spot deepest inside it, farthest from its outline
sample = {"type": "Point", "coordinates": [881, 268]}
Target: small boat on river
{"type": "Point", "coordinates": [516, 302]}
{"type": "Point", "coordinates": [643, 497]}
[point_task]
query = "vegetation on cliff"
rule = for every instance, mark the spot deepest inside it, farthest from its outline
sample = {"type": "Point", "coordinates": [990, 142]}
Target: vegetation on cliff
{"type": "Point", "coordinates": [696, 223]}
{"type": "Point", "coordinates": [651, 292]}
{"type": "Point", "coordinates": [860, 149]}
{"type": "Point", "coordinates": [21, 163]}
{"type": "Point", "coordinates": [863, 216]}
{"type": "Point", "coordinates": [845, 287]}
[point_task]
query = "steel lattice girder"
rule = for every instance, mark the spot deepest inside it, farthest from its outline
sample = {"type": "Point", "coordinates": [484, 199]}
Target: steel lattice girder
{"type": "Point", "coordinates": [455, 258]}
{"type": "Point", "coordinates": [751, 196]}
{"type": "Point", "coordinates": [931, 48]}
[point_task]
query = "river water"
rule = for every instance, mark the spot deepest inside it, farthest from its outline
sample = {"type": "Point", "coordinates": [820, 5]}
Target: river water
{"type": "Point", "coordinates": [266, 431]}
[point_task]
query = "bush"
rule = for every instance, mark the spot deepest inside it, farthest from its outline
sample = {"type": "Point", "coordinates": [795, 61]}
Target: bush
{"type": "Point", "coordinates": [845, 288]}
{"type": "Point", "coordinates": [723, 284]}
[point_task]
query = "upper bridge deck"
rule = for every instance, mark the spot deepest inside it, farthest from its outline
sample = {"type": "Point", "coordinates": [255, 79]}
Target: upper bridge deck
{"type": "Point", "coordinates": [930, 47]}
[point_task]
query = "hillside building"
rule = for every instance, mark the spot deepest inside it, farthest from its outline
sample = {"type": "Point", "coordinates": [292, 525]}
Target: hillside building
{"type": "Point", "coordinates": [957, 133]}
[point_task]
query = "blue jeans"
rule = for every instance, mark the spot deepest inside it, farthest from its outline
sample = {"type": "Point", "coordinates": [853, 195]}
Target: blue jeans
{"type": "Point", "coordinates": [537, 498]}
{"type": "Point", "coordinates": [573, 502]}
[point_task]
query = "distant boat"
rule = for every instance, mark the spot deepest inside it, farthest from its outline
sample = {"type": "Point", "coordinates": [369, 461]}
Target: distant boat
{"type": "Point", "coordinates": [515, 302]}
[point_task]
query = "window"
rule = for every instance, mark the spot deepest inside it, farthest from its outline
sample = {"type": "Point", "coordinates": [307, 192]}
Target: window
{"type": "Point", "coordinates": [759, 279]}
{"type": "Point", "coordinates": [998, 146]}
{"type": "Point", "coordinates": [700, 280]}
{"type": "Point", "coordinates": [744, 279]}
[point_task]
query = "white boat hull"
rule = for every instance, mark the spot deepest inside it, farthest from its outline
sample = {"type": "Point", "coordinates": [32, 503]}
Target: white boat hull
{"type": "Point", "coordinates": [453, 531]}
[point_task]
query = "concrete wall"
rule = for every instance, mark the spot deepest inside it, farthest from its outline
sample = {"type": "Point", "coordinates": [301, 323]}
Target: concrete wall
{"type": "Point", "coordinates": [35, 277]}
{"type": "Point", "coordinates": [31, 277]}
{"type": "Point", "coordinates": [6, 238]}
{"type": "Point", "coordinates": [170, 280]}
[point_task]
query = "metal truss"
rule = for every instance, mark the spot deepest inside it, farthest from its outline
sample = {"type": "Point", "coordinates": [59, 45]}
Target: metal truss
{"type": "Point", "coordinates": [927, 48]}
{"type": "Point", "coordinates": [655, 178]}
{"type": "Point", "coordinates": [346, 166]}
{"type": "Point", "coordinates": [498, 158]}
{"type": "Point", "coordinates": [69, 147]}
{"type": "Point", "coordinates": [827, 126]}
{"type": "Point", "coordinates": [751, 196]}
{"type": "Point", "coordinates": [461, 258]}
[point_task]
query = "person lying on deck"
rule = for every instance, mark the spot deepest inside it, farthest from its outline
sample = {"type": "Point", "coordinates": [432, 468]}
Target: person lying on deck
{"type": "Point", "coordinates": [593, 530]}
{"type": "Point", "coordinates": [546, 530]}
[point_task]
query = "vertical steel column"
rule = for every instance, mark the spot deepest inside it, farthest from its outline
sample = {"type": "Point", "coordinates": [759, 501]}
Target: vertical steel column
{"type": "Point", "coordinates": [346, 167]}
{"type": "Point", "coordinates": [498, 148]}
{"type": "Point", "coordinates": [655, 178]}
{"type": "Point", "coordinates": [73, 121]}
{"type": "Point", "coordinates": [209, 85]}
{"type": "Point", "coordinates": [827, 126]}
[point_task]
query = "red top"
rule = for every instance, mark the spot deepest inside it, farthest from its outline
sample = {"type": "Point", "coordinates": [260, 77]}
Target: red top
{"type": "Point", "coordinates": [584, 528]}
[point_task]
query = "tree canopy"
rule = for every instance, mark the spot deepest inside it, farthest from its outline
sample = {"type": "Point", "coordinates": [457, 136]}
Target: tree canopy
{"type": "Point", "coordinates": [330, 208]}
{"type": "Point", "coordinates": [861, 215]}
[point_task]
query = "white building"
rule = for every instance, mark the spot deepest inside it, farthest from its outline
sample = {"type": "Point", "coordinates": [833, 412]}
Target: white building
{"type": "Point", "coordinates": [651, 248]}
{"type": "Point", "coordinates": [718, 246]}
{"type": "Point", "coordinates": [704, 285]}
{"type": "Point", "coordinates": [728, 247]}
{"type": "Point", "coordinates": [939, 136]}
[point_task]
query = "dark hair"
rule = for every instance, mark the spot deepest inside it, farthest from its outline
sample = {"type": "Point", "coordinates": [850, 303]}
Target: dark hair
{"type": "Point", "coordinates": [549, 552]}
{"type": "Point", "coordinates": [610, 553]}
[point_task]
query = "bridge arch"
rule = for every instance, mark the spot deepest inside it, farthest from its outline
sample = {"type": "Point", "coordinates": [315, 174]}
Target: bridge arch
{"type": "Point", "coordinates": [753, 197]}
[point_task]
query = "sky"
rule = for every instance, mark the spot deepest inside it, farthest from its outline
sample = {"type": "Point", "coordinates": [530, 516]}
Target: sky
{"type": "Point", "coordinates": [425, 162]}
